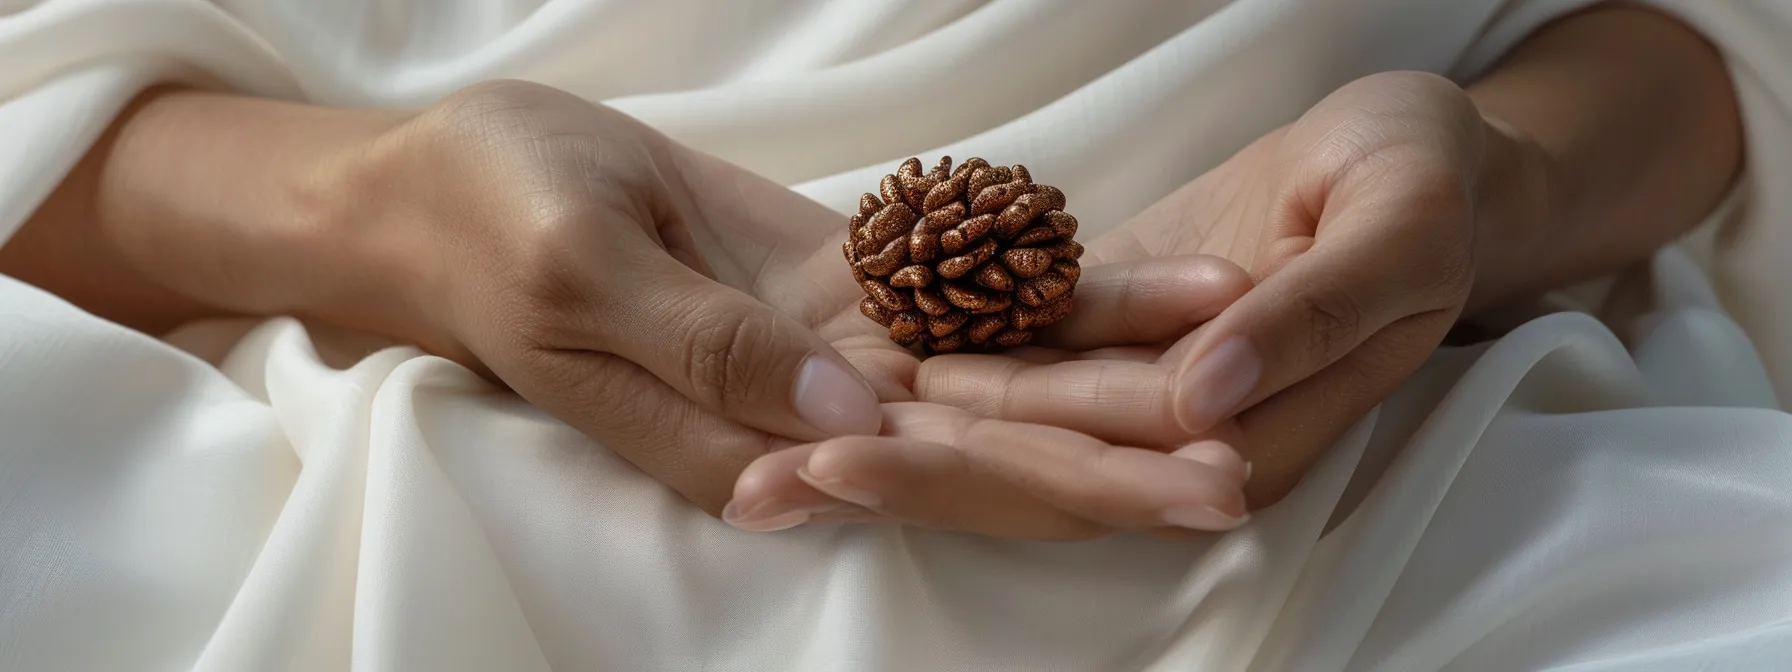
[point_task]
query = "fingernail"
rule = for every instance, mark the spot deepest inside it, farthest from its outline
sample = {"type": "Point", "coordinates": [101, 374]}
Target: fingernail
{"type": "Point", "coordinates": [1203, 518]}
{"type": "Point", "coordinates": [1217, 383]}
{"type": "Point", "coordinates": [774, 515]}
{"type": "Point", "coordinates": [841, 490]}
{"type": "Point", "coordinates": [1217, 455]}
{"type": "Point", "coordinates": [833, 398]}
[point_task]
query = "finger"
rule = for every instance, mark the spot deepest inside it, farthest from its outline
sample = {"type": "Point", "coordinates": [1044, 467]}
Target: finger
{"type": "Point", "coordinates": [1146, 301]}
{"type": "Point", "coordinates": [632, 413]}
{"type": "Point", "coordinates": [934, 485]}
{"type": "Point", "coordinates": [1120, 401]}
{"type": "Point", "coordinates": [1122, 487]}
{"type": "Point", "coordinates": [733, 354]}
{"type": "Point", "coordinates": [1321, 305]}
{"type": "Point", "coordinates": [770, 496]}
{"type": "Point", "coordinates": [1283, 436]}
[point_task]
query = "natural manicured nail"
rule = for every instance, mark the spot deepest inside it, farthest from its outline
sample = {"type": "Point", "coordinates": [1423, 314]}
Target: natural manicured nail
{"type": "Point", "coordinates": [1217, 383]}
{"type": "Point", "coordinates": [1203, 518]}
{"type": "Point", "coordinates": [1217, 455]}
{"type": "Point", "coordinates": [833, 398]}
{"type": "Point", "coordinates": [774, 515]}
{"type": "Point", "coordinates": [841, 490]}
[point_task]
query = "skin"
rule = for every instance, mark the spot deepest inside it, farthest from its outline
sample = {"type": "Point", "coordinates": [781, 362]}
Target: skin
{"type": "Point", "coordinates": [1394, 208]}
{"type": "Point", "coordinates": [667, 303]}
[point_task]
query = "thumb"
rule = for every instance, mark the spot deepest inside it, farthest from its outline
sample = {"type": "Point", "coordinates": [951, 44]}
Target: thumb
{"type": "Point", "coordinates": [735, 355]}
{"type": "Point", "coordinates": [1313, 312]}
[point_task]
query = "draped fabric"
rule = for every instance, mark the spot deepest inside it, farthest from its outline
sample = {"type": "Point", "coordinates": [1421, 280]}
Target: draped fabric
{"type": "Point", "coordinates": [239, 495]}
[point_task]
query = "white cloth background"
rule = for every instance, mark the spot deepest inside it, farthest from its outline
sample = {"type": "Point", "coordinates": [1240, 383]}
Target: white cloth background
{"type": "Point", "coordinates": [271, 497]}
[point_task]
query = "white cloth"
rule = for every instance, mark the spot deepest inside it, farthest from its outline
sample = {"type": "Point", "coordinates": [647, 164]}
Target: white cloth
{"type": "Point", "coordinates": [1552, 500]}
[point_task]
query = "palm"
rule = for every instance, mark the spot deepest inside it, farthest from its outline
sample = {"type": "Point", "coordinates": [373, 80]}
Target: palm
{"type": "Point", "coordinates": [784, 249]}
{"type": "Point", "coordinates": [1217, 214]}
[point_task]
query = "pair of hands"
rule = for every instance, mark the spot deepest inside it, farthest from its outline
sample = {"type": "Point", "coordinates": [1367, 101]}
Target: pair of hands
{"type": "Point", "coordinates": [699, 321]}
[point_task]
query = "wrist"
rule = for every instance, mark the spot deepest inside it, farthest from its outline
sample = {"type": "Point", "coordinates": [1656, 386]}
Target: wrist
{"type": "Point", "coordinates": [364, 238]}
{"type": "Point", "coordinates": [1514, 208]}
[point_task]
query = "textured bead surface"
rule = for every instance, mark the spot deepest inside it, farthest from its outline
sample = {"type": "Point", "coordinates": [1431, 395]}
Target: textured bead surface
{"type": "Point", "coordinates": [972, 257]}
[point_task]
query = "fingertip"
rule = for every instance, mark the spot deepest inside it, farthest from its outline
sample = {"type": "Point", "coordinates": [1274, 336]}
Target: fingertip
{"type": "Point", "coordinates": [840, 460]}
{"type": "Point", "coordinates": [841, 489]}
{"type": "Point", "coordinates": [1219, 456]}
{"type": "Point", "coordinates": [1205, 518]}
{"type": "Point", "coordinates": [832, 397]}
{"type": "Point", "coordinates": [1211, 388]}
{"type": "Point", "coordinates": [1226, 281]}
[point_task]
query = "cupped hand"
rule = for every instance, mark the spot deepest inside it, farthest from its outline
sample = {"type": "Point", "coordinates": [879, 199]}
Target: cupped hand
{"type": "Point", "coordinates": [1357, 224]}
{"type": "Point", "coordinates": [690, 315]}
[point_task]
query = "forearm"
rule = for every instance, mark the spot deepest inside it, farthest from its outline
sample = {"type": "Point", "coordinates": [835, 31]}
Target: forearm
{"type": "Point", "coordinates": [1620, 133]}
{"type": "Point", "coordinates": [197, 205]}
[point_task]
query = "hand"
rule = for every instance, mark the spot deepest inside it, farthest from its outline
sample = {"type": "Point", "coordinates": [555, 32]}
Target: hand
{"type": "Point", "coordinates": [690, 315]}
{"type": "Point", "coordinates": [948, 468]}
{"type": "Point", "coordinates": [1359, 224]}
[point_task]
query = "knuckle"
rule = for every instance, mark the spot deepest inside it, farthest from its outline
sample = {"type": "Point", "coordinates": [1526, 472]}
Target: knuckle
{"type": "Point", "coordinates": [1334, 317]}
{"type": "Point", "coordinates": [548, 296]}
{"type": "Point", "coordinates": [723, 357]}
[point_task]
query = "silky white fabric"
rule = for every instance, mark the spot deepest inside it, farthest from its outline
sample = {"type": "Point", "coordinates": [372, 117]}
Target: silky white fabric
{"type": "Point", "coordinates": [240, 496]}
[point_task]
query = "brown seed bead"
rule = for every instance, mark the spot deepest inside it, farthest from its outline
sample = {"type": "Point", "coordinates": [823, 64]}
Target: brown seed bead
{"type": "Point", "coordinates": [1060, 221]}
{"type": "Point", "coordinates": [882, 264]}
{"type": "Point", "coordinates": [890, 223]}
{"type": "Point", "coordinates": [984, 251]}
{"type": "Point", "coordinates": [956, 267]}
{"type": "Point", "coordinates": [1068, 249]}
{"type": "Point", "coordinates": [923, 247]}
{"type": "Point", "coordinates": [1013, 338]}
{"type": "Point", "coordinates": [906, 328]}
{"type": "Point", "coordinates": [1027, 262]}
{"type": "Point", "coordinates": [914, 191]}
{"type": "Point", "coordinates": [942, 219]}
{"type": "Point", "coordinates": [890, 189]}
{"type": "Point", "coordinates": [890, 298]}
{"type": "Point", "coordinates": [960, 246]}
{"type": "Point", "coordinates": [969, 166]}
{"type": "Point", "coordinates": [874, 310]}
{"type": "Point", "coordinates": [1051, 197]}
{"type": "Point", "coordinates": [996, 304]}
{"type": "Point", "coordinates": [1068, 268]}
{"type": "Point", "coordinates": [1012, 219]}
{"type": "Point", "coordinates": [1041, 290]}
{"type": "Point", "coordinates": [960, 265]}
{"type": "Point", "coordinates": [997, 197]}
{"type": "Point", "coordinates": [1026, 317]}
{"type": "Point", "coordinates": [964, 298]}
{"type": "Point", "coordinates": [912, 276]}
{"type": "Point", "coordinates": [941, 194]}
{"type": "Point", "coordinates": [982, 178]}
{"type": "Point", "coordinates": [931, 302]}
{"type": "Point", "coordinates": [994, 276]}
{"type": "Point", "coordinates": [940, 325]}
{"type": "Point", "coordinates": [942, 171]}
{"type": "Point", "coordinates": [1035, 236]}
{"type": "Point", "coordinates": [909, 168]}
{"type": "Point", "coordinates": [984, 327]}
{"type": "Point", "coordinates": [965, 234]}
{"type": "Point", "coordinates": [952, 342]}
